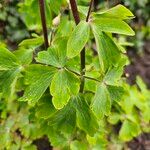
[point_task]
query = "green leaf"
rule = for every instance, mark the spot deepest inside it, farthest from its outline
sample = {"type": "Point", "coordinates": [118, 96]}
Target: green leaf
{"type": "Point", "coordinates": [86, 120]}
{"type": "Point", "coordinates": [8, 81]}
{"type": "Point", "coordinates": [64, 120]}
{"type": "Point", "coordinates": [64, 85]}
{"type": "Point", "coordinates": [118, 12]}
{"type": "Point", "coordinates": [25, 56]}
{"type": "Point", "coordinates": [78, 39]}
{"type": "Point", "coordinates": [113, 75]}
{"type": "Point", "coordinates": [55, 5]}
{"type": "Point", "coordinates": [57, 139]}
{"type": "Point", "coordinates": [83, 10]}
{"type": "Point", "coordinates": [101, 102]}
{"type": "Point", "coordinates": [114, 118]}
{"type": "Point", "coordinates": [112, 25]}
{"type": "Point", "coordinates": [7, 59]}
{"type": "Point", "coordinates": [129, 130]}
{"type": "Point", "coordinates": [55, 55]}
{"type": "Point", "coordinates": [31, 17]}
{"type": "Point", "coordinates": [108, 52]}
{"type": "Point", "coordinates": [45, 108]}
{"type": "Point", "coordinates": [78, 145]}
{"type": "Point", "coordinates": [39, 78]}
{"type": "Point", "coordinates": [32, 43]}
{"type": "Point", "coordinates": [65, 27]}
{"type": "Point", "coordinates": [116, 92]}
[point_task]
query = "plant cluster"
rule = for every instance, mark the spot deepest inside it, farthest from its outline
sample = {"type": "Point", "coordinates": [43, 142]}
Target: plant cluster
{"type": "Point", "coordinates": [71, 91]}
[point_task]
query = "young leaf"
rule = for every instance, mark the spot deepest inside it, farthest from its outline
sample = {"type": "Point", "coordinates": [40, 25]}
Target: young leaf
{"type": "Point", "coordinates": [108, 52]}
{"type": "Point", "coordinates": [78, 39]}
{"type": "Point", "coordinates": [85, 117]}
{"type": "Point", "coordinates": [112, 25]}
{"type": "Point", "coordinates": [118, 12]}
{"type": "Point", "coordinates": [101, 103]}
{"type": "Point", "coordinates": [64, 85]}
{"type": "Point", "coordinates": [39, 78]}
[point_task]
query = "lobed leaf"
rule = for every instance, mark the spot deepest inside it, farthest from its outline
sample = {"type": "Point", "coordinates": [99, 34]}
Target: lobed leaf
{"type": "Point", "coordinates": [39, 78]}
{"type": "Point", "coordinates": [55, 55]}
{"type": "Point", "coordinates": [64, 85]}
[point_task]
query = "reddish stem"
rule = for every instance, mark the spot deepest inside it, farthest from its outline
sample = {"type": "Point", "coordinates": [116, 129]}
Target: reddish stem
{"type": "Point", "coordinates": [43, 20]}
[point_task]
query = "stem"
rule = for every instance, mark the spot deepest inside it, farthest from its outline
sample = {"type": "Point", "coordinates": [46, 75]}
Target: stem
{"type": "Point", "coordinates": [43, 20]}
{"type": "Point", "coordinates": [82, 54]}
{"type": "Point", "coordinates": [89, 11]}
{"type": "Point", "coordinates": [75, 11]}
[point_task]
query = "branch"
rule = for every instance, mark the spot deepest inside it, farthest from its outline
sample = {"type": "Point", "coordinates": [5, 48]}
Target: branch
{"type": "Point", "coordinates": [89, 11]}
{"type": "Point", "coordinates": [43, 20]}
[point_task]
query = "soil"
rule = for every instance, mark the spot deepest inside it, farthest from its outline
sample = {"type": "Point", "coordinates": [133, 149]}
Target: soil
{"type": "Point", "coordinates": [140, 64]}
{"type": "Point", "coordinates": [42, 144]}
{"type": "Point", "coordinates": [140, 143]}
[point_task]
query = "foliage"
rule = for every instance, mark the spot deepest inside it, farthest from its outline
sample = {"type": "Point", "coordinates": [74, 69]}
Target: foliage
{"type": "Point", "coordinates": [41, 88]}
